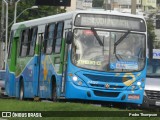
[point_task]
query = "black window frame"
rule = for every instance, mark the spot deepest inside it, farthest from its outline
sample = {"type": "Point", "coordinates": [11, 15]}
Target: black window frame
{"type": "Point", "coordinates": [10, 43]}
{"type": "Point", "coordinates": [46, 38]}
{"type": "Point", "coordinates": [55, 37]}
{"type": "Point", "coordinates": [59, 37]}
{"type": "Point", "coordinates": [31, 40]}
{"type": "Point", "coordinates": [22, 42]}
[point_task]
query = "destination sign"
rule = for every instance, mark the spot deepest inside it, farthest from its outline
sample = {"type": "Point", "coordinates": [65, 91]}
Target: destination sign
{"type": "Point", "coordinates": [110, 22]}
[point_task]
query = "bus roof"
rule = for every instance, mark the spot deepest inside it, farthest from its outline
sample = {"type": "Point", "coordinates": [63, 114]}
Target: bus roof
{"type": "Point", "coordinates": [44, 20]}
{"type": "Point", "coordinates": [66, 16]}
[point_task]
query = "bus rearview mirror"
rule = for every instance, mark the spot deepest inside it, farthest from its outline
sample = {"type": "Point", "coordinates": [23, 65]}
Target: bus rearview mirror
{"type": "Point", "coordinates": [69, 37]}
{"type": "Point", "coordinates": [150, 47]}
{"type": "Point", "coordinates": [44, 45]}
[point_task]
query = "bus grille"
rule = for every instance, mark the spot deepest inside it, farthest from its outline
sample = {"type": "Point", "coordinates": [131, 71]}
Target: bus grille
{"type": "Point", "coordinates": [104, 78]}
{"type": "Point", "coordinates": [106, 94]}
{"type": "Point", "coordinates": [110, 87]}
{"type": "Point", "coordinates": [153, 95]}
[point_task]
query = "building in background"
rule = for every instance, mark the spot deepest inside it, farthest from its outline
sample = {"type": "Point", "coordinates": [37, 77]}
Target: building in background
{"type": "Point", "coordinates": [119, 5]}
{"type": "Point", "coordinates": [125, 6]}
{"type": "Point", "coordinates": [149, 5]}
{"type": "Point", "coordinates": [72, 7]}
{"type": "Point", "coordinates": [80, 4]}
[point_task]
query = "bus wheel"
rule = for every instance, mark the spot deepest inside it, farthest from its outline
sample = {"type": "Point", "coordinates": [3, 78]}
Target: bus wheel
{"type": "Point", "coordinates": [21, 91]}
{"type": "Point", "coordinates": [54, 92]}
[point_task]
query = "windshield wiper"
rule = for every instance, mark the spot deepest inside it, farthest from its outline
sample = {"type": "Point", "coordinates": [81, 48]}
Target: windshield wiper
{"type": "Point", "coordinates": [117, 43]}
{"type": "Point", "coordinates": [97, 36]}
{"type": "Point", "coordinates": [120, 40]}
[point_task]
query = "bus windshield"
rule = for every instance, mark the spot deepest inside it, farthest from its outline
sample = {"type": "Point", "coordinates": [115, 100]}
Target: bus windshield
{"type": "Point", "coordinates": [153, 68]}
{"type": "Point", "coordinates": [87, 52]}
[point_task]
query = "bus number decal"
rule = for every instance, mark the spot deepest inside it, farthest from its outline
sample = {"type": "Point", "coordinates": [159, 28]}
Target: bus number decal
{"type": "Point", "coordinates": [92, 82]}
{"type": "Point", "coordinates": [89, 62]}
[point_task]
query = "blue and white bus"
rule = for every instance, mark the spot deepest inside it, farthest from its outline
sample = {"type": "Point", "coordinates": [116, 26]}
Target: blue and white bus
{"type": "Point", "coordinates": [84, 55]}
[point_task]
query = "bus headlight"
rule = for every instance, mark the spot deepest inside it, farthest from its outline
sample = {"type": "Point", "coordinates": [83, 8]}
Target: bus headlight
{"type": "Point", "coordinates": [74, 78]}
{"type": "Point", "coordinates": [138, 83]}
{"type": "Point", "coordinates": [78, 81]}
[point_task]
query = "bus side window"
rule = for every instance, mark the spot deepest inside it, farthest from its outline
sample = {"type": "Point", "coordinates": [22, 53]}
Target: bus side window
{"type": "Point", "coordinates": [58, 40]}
{"type": "Point", "coordinates": [24, 43]}
{"type": "Point", "coordinates": [32, 41]}
{"type": "Point", "coordinates": [49, 37]}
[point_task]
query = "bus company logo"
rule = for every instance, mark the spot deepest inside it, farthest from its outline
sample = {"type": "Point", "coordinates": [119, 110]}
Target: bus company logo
{"type": "Point", "coordinates": [6, 114]}
{"type": "Point", "coordinates": [19, 114]}
{"type": "Point", "coordinates": [107, 86]}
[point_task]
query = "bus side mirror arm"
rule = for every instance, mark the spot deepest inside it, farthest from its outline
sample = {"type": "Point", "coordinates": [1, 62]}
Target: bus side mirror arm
{"type": "Point", "coordinates": [44, 45]}
{"type": "Point", "coordinates": [69, 37]}
{"type": "Point", "coordinates": [150, 47]}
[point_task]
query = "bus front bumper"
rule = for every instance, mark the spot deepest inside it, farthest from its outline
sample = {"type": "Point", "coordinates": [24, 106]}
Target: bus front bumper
{"type": "Point", "coordinates": [85, 93]}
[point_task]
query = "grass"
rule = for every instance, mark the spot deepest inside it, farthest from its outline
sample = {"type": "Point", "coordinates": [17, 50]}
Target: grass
{"type": "Point", "coordinates": [16, 105]}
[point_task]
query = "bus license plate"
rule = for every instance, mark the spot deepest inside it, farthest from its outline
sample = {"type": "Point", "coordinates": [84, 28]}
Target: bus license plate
{"type": "Point", "coordinates": [157, 103]}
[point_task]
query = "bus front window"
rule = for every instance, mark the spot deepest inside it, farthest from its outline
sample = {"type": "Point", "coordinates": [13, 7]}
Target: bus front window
{"type": "Point", "coordinates": [87, 52]}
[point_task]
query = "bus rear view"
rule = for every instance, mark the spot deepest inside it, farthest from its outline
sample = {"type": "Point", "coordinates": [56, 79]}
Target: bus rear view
{"type": "Point", "coordinates": [107, 58]}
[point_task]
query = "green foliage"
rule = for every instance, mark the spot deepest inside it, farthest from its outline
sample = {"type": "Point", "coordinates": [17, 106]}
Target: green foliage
{"type": "Point", "coordinates": [20, 106]}
{"type": "Point", "coordinates": [29, 14]}
{"type": "Point", "coordinates": [16, 105]}
{"type": "Point", "coordinates": [42, 11]}
{"type": "Point", "coordinates": [150, 30]}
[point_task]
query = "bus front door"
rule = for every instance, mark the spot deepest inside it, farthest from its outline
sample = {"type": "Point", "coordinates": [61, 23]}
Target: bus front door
{"type": "Point", "coordinates": [38, 51]}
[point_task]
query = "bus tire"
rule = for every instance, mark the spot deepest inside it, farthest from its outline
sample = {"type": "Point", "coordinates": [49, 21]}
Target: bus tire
{"type": "Point", "coordinates": [54, 91]}
{"type": "Point", "coordinates": [21, 90]}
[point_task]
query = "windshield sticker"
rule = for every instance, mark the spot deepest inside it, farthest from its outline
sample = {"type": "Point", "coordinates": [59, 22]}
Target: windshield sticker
{"type": "Point", "coordinates": [89, 62]}
{"type": "Point", "coordinates": [102, 33]}
{"type": "Point", "coordinates": [124, 65]}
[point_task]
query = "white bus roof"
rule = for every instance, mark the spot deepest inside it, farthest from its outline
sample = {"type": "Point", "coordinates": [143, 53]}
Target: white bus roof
{"type": "Point", "coordinates": [65, 16]}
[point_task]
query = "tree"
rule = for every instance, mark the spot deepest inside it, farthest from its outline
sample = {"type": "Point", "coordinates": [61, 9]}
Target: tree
{"type": "Point", "coordinates": [42, 11]}
{"type": "Point", "coordinates": [150, 30]}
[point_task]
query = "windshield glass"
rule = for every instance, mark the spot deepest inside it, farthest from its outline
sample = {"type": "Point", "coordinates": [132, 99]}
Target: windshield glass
{"type": "Point", "coordinates": [128, 55]}
{"type": "Point", "coordinates": [153, 68]}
